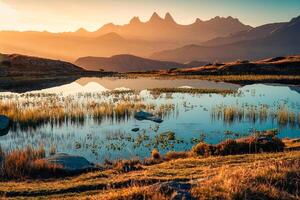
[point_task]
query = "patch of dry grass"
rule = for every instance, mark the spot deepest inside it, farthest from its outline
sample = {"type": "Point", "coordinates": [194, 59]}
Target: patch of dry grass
{"type": "Point", "coordinates": [110, 184]}
{"type": "Point", "coordinates": [267, 180]}
{"type": "Point", "coordinates": [26, 163]}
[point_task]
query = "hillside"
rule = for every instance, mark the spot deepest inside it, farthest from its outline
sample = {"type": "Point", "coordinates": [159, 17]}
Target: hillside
{"type": "Point", "coordinates": [20, 65]}
{"type": "Point", "coordinates": [127, 63]}
{"type": "Point", "coordinates": [278, 65]}
{"type": "Point", "coordinates": [266, 41]}
{"type": "Point", "coordinates": [255, 33]}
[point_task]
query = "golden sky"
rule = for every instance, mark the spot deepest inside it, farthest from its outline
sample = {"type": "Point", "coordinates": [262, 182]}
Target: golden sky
{"type": "Point", "coordinates": [69, 15]}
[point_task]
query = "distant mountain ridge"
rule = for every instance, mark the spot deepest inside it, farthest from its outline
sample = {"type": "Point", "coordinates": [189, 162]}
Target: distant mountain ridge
{"type": "Point", "coordinates": [136, 37]}
{"type": "Point", "coordinates": [69, 47]}
{"type": "Point", "coordinates": [167, 29]}
{"type": "Point", "coordinates": [127, 63]}
{"type": "Point", "coordinates": [265, 41]}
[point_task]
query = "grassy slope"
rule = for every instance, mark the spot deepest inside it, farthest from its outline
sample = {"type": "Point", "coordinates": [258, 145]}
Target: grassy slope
{"type": "Point", "coordinates": [95, 184]}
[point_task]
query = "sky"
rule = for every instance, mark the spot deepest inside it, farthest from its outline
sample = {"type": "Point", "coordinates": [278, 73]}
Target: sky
{"type": "Point", "coordinates": [70, 15]}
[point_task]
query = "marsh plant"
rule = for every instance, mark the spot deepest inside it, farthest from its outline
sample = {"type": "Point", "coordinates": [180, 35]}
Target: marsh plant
{"type": "Point", "coordinates": [33, 110]}
{"type": "Point", "coordinates": [232, 113]}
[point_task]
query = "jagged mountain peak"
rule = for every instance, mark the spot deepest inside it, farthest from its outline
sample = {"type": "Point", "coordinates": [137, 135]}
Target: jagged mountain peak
{"type": "Point", "coordinates": [135, 20]}
{"type": "Point", "coordinates": [169, 18]}
{"type": "Point", "coordinates": [198, 20]}
{"type": "Point", "coordinates": [155, 17]}
{"type": "Point", "coordinates": [219, 18]}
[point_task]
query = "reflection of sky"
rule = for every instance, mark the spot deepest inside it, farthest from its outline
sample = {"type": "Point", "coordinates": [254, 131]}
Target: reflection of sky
{"type": "Point", "coordinates": [187, 122]}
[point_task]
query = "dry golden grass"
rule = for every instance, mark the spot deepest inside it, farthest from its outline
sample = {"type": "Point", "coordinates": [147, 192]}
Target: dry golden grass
{"type": "Point", "coordinates": [213, 177]}
{"type": "Point", "coordinates": [266, 180]}
{"type": "Point", "coordinates": [26, 163]}
{"type": "Point", "coordinates": [213, 173]}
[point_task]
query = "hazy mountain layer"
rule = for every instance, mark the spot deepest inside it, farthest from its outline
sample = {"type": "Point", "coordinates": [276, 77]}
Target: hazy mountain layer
{"type": "Point", "coordinates": [138, 38]}
{"type": "Point", "coordinates": [126, 63]}
{"type": "Point", "coordinates": [266, 41]}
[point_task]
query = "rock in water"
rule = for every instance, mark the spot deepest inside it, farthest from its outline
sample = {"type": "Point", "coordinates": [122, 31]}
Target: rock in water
{"type": "Point", "coordinates": [70, 162]}
{"type": "Point", "coordinates": [147, 116]}
{"type": "Point", "coordinates": [4, 125]}
{"type": "Point", "coordinates": [135, 129]}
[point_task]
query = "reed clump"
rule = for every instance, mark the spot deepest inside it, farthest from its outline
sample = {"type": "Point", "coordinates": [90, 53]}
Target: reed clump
{"type": "Point", "coordinates": [230, 114]}
{"type": "Point", "coordinates": [26, 163]}
{"type": "Point", "coordinates": [260, 142]}
{"type": "Point", "coordinates": [32, 111]}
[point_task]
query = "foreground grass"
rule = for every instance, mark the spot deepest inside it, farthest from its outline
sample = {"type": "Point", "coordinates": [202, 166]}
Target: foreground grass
{"type": "Point", "coordinates": [264, 169]}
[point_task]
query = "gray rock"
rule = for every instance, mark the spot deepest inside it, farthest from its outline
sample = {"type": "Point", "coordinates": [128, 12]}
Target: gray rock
{"type": "Point", "coordinates": [4, 125]}
{"type": "Point", "coordinates": [70, 162]}
{"type": "Point", "coordinates": [147, 116]}
{"type": "Point", "coordinates": [135, 129]}
{"type": "Point", "coordinates": [174, 190]}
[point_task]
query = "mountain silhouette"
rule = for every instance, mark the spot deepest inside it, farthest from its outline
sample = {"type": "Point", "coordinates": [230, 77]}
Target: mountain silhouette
{"type": "Point", "coordinates": [270, 40]}
{"type": "Point", "coordinates": [137, 38]}
{"type": "Point", "coordinates": [126, 63]}
{"type": "Point", "coordinates": [167, 29]}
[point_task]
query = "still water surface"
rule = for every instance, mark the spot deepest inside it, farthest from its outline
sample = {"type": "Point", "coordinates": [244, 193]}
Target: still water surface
{"type": "Point", "coordinates": [190, 121]}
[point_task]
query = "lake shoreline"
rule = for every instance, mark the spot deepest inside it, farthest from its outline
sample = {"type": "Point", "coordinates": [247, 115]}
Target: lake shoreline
{"type": "Point", "coordinates": [39, 82]}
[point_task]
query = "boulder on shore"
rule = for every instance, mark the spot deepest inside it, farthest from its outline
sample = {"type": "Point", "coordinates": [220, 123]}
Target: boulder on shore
{"type": "Point", "coordinates": [174, 190]}
{"type": "Point", "coordinates": [4, 125]}
{"type": "Point", "coordinates": [70, 162]}
{"type": "Point", "coordinates": [135, 129]}
{"type": "Point", "coordinates": [147, 116]}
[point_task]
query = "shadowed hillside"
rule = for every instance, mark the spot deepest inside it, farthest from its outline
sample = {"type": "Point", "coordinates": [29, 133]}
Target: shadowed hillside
{"type": "Point", "coordinates": [125, 63]}
{"type": "Point", "coordinates": [279, 65]}
{"type": "Point", "coordinates": [19, 65]}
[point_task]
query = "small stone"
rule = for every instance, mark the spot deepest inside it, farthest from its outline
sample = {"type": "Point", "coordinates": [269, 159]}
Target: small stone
{"type": "Point", "coordinates": [135, 129]}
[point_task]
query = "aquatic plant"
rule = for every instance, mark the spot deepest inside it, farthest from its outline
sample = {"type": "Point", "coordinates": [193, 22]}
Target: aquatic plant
{"type": "Point", "coordinates": [230, 114]}
{"type": "Point", "coordinates": [34, 110]}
